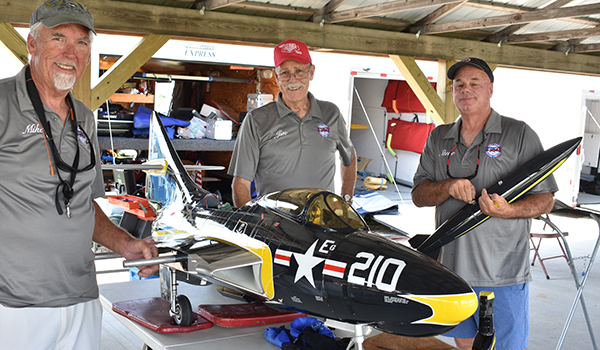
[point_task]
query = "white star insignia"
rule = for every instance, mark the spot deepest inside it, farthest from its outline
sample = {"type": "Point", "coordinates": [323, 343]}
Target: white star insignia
{"type": "Point", "coordinates": [306, 262]}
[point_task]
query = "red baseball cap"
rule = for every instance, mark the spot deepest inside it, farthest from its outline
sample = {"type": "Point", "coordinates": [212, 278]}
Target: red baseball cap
{"type": "Point", "coordinates": [291, 50]}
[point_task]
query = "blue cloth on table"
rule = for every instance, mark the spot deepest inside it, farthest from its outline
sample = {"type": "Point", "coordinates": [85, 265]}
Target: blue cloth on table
{"type": "Point", "coordinates": [369, 202]}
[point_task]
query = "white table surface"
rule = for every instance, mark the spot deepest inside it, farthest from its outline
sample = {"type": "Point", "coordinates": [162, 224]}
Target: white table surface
{"type": "Point", "coordinates": [216, 337]}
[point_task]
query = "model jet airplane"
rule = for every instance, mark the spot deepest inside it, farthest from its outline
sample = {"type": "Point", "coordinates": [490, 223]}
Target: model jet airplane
{"type": "Point", "coordinates": [305, 250]}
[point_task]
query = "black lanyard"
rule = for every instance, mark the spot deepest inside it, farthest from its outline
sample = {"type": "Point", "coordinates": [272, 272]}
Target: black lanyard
{"type": "Point", "coordinates": [65, 187]}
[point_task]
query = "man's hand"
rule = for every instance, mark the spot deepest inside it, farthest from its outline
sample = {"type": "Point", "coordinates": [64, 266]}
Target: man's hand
{"type": "Point", "coordinates": [140, 249]}
{"type": "Point", "coordinates": [462, 189]}
{"type": "Point", "coordinates": [529, 206]}
{"type": "Point", "coordinates": [495, 205]}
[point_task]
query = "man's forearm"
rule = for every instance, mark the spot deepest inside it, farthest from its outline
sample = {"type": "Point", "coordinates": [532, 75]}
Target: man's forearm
{"type": "Point", "coordinates": [349, 177]}
{"type": "Point", "coordinates": [108, 234]}
{"type": "Point", "coordinates": [241, 191]}
{"type": "Point", "coordinates": [533, 205]}
{"type": "Point", "coordinates": [429, 193]}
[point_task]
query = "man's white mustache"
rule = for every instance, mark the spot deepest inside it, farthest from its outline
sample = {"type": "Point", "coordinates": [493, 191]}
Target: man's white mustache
{"type": "Point", "coordinates": [294, 86]}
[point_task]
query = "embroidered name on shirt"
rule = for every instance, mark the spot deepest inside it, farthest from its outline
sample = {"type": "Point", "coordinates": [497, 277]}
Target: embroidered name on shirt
{"type": "Point", "coordinates": [280, 133]}
{"type": "Point", "coordinates": [32, 129]}
{"type": "Point", "coordinates": [445, 153]}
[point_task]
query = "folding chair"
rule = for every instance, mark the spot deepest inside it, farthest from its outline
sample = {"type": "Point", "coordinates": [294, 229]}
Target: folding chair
{"type": "Point", "coordinates": [542, 236]}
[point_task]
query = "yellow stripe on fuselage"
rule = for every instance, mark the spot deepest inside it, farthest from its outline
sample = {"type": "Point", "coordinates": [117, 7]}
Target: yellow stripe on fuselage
{"type": "Point", "coordinates": [447, 310]}
{"type": "Point", "coordinates": [520, 194]}
{"type": "Point", "coordinates": [232, 238]}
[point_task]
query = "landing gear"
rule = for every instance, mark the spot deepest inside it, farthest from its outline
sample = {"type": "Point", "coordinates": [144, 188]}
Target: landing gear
{"type": "Point", "coordinates": [183, 314]}
{"type": "Point", "coordinates": [181, 308]}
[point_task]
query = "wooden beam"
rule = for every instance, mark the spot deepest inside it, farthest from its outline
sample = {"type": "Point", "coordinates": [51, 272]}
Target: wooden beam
{"type": "Point", "coordinates": [549, 36]}
{"type": "Point", "coordinates": [215, 4]}
{"type": "Point", "coordinates": [324, 11]}
{"type": "Point", "coordinates": [384, 9]}
{"type": "Point", "coordinates": [435, 15]}
{"type": "Point", "coordinates": [444, 89]}
{"type": "Point", "coordinates": [421, 87]}
{"type": "Point", "coordinates": [83, 89]}
{"type": "Point", "coordinates": [133, 18]}
{"type": "Point", "coordinates": [311, 13]}
{"type": "Point", "coordinates": [586, 48]}
{"type": "Point", "coordinates": [125, 67]}
{"type": "Point", "coordinates": [14, 42]}
{"type": "Point", "coordinates": [510, 30]}
{"type": "Point", "coordinates": [533, 16]}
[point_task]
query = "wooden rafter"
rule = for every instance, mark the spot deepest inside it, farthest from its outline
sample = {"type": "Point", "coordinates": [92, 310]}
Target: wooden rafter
{"type": "Point", "coordinates": [326, 10]}
{"type": "Point", "coordinates": [127, 17]}
{"type": "Point", "coordinates": [510, 30]}
{"type": "Point", "coordinates": [385, 8]}
{"type": "Point", "coordinates": [421, 87]}
{"type": "Point", "coordinates": [586, 48]}
{"type": "Point", "coordinates": [551, 36]}
{"type": "Point", "coordinates": [533, 16]}
{"type": "Point", "coordinates": [215, 4]}
{"type": "Point", "coordinates": [14, 42]}
{"type": "Point", "coordinates": [435, 15]}
{"type": "Point", "coordinates": [125, 67]}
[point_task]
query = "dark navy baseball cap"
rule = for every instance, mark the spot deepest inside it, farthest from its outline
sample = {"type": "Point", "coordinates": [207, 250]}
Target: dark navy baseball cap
{"type": "Point", "coordinates": [471, 61]}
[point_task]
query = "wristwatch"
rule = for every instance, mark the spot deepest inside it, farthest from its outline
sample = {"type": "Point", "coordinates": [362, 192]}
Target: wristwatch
{"type": "Point", "coordinates": [347, 197]}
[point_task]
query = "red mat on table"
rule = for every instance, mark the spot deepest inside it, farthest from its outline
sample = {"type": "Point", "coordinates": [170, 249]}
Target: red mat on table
{"type": "Point", "coordinates": [245, 315]}
{"type": "Point", "coordinates": [153, 313]}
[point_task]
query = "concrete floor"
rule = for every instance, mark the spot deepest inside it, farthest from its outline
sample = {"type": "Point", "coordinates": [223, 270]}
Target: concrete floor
{"type": "Point", "coordinates": [550, 300]}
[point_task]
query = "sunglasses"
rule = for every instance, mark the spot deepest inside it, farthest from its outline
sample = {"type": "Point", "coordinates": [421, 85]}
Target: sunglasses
{"type": "Point", "coordinates": [462, 177]}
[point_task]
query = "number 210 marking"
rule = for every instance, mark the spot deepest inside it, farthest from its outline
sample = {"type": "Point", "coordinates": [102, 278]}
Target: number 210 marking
{"type": "Point", "coordinates": [397, 265]}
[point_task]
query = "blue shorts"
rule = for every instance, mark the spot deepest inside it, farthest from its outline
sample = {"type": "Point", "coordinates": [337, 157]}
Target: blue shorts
{"type": "Point", "coordinates": [511, 317]}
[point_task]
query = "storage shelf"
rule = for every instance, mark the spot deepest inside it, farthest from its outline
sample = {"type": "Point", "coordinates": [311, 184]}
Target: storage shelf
{"type": "Point", "coordinates": [179, 144]}
{"type": "Point", "coordinates": [128, 98]}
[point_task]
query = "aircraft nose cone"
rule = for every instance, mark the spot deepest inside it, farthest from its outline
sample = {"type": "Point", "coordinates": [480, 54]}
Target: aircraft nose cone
{"type": "Point", "coordinates": [397, 289]}
{"type": "Point", "coordinates": [447, 310]}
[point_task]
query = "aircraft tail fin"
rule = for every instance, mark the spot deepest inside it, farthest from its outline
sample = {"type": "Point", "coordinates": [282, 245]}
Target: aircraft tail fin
{"type": "Point", "coordinates": [174, 181]}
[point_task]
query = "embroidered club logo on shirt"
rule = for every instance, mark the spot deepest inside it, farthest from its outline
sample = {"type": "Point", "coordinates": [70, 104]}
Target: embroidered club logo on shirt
{"type": "Point", "coordinates": [323, 130]}
{"type": "Point", "coordinates": [81, 136]}
{"type": "Point", "coordinates": [493, 150]}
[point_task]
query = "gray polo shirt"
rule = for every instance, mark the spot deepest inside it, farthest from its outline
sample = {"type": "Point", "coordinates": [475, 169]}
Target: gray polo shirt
{"type": "Point", "coordinates": [495, 253]}
{"type": "Point", "coordinates": [46, 258]}
{"type": "Point", "coordinates": [280, 150]}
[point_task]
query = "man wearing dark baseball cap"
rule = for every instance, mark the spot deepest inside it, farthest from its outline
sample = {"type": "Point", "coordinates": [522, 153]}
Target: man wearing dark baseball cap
{"type": "Point", "coordinates": [53, 13]}
{"type": "Point", "coordinates": [51, 174]}
{"type": "Point", "coordinates": [459, 162]}
{"type": "Point", "coordinates": [471, 61]}
{"type": "Point", "coordinates": [293, 142]}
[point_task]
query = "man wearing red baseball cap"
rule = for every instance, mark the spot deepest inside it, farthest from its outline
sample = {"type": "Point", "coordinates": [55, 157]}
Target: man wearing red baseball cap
{"type": "Point", "coordinates": [292, 143]}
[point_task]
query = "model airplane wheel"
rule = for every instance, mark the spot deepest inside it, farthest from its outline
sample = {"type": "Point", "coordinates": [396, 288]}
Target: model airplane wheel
{"type": "Point", "coordinates": [183, 311]}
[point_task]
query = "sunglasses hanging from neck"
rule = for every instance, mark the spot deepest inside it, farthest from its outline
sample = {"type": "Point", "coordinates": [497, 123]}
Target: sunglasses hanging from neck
{"type": "Point", "coordinates": [64, 187]}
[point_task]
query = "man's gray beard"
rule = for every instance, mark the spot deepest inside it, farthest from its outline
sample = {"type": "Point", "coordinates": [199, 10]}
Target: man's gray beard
{"type": "Point", "coordinates": [64, 81]}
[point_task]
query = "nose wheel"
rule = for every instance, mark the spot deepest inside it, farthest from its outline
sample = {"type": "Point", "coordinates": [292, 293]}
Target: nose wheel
{"type": "Point", "coordinates": [183, 314]}
{"type": "Point", "coordinates": [180, 306]}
